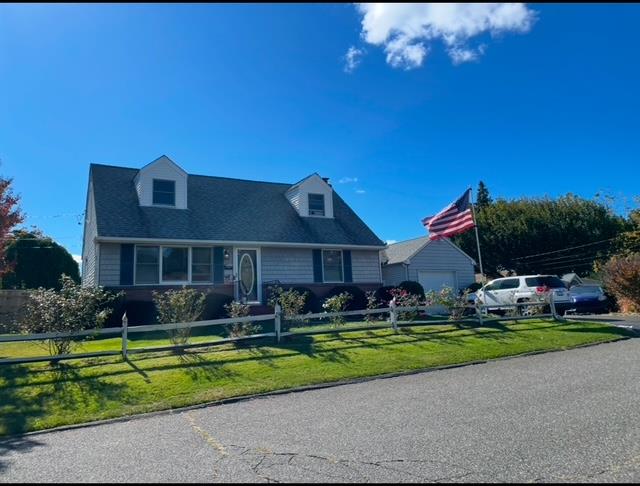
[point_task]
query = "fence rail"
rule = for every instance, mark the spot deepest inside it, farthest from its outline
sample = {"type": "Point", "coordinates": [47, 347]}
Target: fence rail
{"type": "Point", "coordinates": [278, 317]}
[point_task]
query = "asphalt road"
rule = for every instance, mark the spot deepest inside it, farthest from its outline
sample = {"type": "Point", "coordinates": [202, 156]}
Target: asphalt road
{"type": "Point", "coordinates": [565, 416]}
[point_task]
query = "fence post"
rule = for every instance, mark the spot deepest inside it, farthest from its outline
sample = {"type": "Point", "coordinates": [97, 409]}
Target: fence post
{"type": "Point", "coordinates": [478, 312]}
{"type": "Point", "coordinates": [552, 304]}
{"type": "Point", "coordinates": [278, 320]}
{"type": "Point", "coordinates": [125, 324]}
{"type": "Point", "coordinates": [393, 315]}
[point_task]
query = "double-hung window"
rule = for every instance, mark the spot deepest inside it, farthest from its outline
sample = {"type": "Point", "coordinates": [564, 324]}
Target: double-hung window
{"type": "Point", "coordinates": [175, 263]}
{"type": "Point", "coordinates": [332, 266]}
{"type": "Point", "coordinates": [164, 192]}
{"type": "Point", "coordinates": [316, 204]}
{"type": "Point", "coordinates": [147, 264]}
{"type": "Point", "coordinates": [201, 264]}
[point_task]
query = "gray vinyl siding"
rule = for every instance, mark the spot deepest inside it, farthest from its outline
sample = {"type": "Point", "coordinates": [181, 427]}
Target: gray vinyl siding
{"type": "Point", "coordinates": [394, 274]}
{"type": "Point", "coordinates": [365, 266]}
{"type": "Point", "coordinates": [441, 256]}
{"type": "Point", "coordinates": [288, 265]}
{"type": "Point", "coordinates": [294, 198]}
{"type": "Point", "coordinates": [295, 265]}
{"type": "Point", "coordinates": [109, 271]}
{"type": "Point", "coordinates": [89, 254]}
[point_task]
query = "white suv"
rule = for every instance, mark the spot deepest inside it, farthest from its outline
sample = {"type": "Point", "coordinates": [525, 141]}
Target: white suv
{"type": "Point", "coordinates": [524, 288]}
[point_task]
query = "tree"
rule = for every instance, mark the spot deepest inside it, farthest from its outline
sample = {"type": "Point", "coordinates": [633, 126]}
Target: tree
{"type": "Point", "coordinates": [483, 199]}
{"type": "Point", "coordinates": [10, 216]}
{"type": "Point", "coordinates": [37, 261]}
{"type": "Point", "coordinates": [621, 277]}
{"type": "Point", "coordinates": [517, 235]}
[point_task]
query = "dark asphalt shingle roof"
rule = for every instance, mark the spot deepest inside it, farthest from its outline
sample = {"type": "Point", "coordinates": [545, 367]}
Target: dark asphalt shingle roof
{"type": "Point", "coordinates": [219, 209]}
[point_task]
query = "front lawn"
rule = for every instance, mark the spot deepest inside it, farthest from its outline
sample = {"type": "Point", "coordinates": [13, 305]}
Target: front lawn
{"type": "Point", "coordinates": [40, 396]}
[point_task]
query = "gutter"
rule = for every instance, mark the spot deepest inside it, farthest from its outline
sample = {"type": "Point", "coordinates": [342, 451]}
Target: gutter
{"type": "Point", "coordinates": [112, 239]}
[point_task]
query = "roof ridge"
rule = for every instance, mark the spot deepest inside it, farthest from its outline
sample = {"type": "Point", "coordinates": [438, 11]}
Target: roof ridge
{"type": "Point", "coordinates": [92, 164]}
{"type": "Point", "coordinates": [409, 240]}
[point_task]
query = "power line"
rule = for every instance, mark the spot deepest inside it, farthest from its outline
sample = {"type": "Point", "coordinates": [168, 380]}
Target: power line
{"type": "Point", "coordinates": [565, 249]}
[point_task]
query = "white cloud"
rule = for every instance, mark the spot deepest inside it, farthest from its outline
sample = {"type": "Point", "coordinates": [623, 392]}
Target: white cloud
{"type": "Point", "coordinates": [390, 242]}
{"type": "Point", "coordinates": [360, 191]}
{"type": "Point", "coordinates": [405, 30]}
{"type": "Point", "coordinates": [347, 180]}
{"type": "Point", "coordinates": [352, 58]}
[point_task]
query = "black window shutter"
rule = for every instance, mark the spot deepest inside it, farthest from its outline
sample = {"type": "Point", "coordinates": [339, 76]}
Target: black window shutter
{"type": "Point", "coordinates": [126, 264]}
{"type": "Point", "coordinates": [218, 264]}
{"type": "Point", "coordinates": [346, 261]}
{"type": "Point", "coordinates": [317, 265]}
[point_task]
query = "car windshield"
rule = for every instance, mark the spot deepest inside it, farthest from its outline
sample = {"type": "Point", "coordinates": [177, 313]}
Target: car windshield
{"type": "Point", "coordinates": [545, 281]}
{"type": "Point", "coordinates": [586, 289]}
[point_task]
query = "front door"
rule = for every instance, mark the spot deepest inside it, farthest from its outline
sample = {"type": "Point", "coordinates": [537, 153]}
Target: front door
{"type": "Point", "coordinates": [247, 289]}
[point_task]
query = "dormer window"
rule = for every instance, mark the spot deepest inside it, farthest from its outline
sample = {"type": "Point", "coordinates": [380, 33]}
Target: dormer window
{"type": "Point", "coordinates": [164, 192]}
{"type": "Point", "coordinates": [316, 204]}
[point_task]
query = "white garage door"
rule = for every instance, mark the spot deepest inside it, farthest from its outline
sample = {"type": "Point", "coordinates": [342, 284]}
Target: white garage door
{"type": "Point", "coordinates": [436, 280]}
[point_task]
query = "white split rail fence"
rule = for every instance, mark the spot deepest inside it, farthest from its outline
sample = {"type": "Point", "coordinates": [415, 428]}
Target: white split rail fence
{"type": "Point", "coordinates": [278, 316]}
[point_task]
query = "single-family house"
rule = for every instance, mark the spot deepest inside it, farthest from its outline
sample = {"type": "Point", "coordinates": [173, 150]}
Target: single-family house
{"type": "Point", "coordinates": [158, 227]}
{"type": "Point", "coordinates": [432, 263]}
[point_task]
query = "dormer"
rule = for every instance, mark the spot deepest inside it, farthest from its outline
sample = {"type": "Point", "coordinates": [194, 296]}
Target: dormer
{"type": "Point", "coordinates": [312, 197]}
{"type": "Point", "coordinates": [162, 183]}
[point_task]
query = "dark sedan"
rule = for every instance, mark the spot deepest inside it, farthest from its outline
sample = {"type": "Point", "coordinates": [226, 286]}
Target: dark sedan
{"type": "Point", "coordinates": [587, 299]}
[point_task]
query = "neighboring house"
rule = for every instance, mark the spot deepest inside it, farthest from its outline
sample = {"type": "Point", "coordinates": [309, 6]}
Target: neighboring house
{"type": "Point", "coordinates": [571, 279]}
{"type": "Point", "coordinates": [432, 263]}
{"type": "Point", "coordinates": [158, 227]}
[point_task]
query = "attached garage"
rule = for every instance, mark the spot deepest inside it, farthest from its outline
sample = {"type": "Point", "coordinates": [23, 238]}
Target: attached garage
{"type": "Point", "coordinates": [432, 263]}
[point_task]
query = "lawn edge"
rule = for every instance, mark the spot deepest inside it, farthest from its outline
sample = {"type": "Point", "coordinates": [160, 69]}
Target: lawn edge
{"type": "Point", "coordinates": [299, 389]}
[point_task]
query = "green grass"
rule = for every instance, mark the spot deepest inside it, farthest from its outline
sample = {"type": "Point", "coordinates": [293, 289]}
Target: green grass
{"type": "Point", "coordinates": [40, 396]}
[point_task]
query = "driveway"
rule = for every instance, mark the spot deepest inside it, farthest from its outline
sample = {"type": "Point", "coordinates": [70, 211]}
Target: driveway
{"type": "Point", "coordinates": [564, 416]}
{"type": "Point", "coordinates": [621, 320]}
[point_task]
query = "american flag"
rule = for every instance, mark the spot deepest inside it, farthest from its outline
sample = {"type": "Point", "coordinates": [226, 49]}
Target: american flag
{"type": "Point", "coordinates": [456, 218]}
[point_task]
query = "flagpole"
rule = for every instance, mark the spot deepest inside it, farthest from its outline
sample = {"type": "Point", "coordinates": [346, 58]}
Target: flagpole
{"type": "Point", "coordinates": [477, 237]}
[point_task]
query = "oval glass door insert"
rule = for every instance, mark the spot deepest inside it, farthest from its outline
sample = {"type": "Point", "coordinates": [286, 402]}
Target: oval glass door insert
{"type": "Point", "coordinates": [247, 274]}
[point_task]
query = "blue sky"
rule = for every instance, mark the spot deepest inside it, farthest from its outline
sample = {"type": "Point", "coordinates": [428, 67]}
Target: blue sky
{"type": "Point", "coordinates": [264, 92]}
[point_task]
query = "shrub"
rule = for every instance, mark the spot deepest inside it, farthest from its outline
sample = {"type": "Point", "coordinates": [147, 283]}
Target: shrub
{"type": "Point", "coordinates": [184, 305]}
{"type": "Point", "coordinates": [71, 309]}
{"type": "Point", "coordinates": [239, 329]}
{"type": "Point", "coordinates": [358, 298]}
{"type": "Point", "coordinates": [412, 287]}
{"type": "Point", "coordinates": [291, 301]}
{"type": "Point", "coordinates": [372, 303]}
{"type": "Point", "coordinates": [311, 302]}
{"type": "Point", "coordinates": [621, 277]}
{"type": "Point", "coordinates": [403, 298]}
{"type": "Point", "coordinates": [383, 295]}
{"type": "Point", "coordinates": [337, 303]}
{"type": "Point", "coordinates": [455, 302]}
{"type": "Point", "coordinates": [473, 287]}
{"type": "Point", "coordinates": [214, 306]}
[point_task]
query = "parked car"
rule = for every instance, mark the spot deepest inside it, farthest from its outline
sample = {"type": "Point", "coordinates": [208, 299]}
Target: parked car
{"type": "Point", "coordinates": [524, 288]}
{"type": "Point", "coordinates": [588, 299]}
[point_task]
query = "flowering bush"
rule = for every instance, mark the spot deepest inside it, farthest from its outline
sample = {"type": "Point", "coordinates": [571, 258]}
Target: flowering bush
{"type": "Point", "coordinates": [455, 302]}
{"type": "Point", "coordinates": [291, 301]}
{"type": "Point", "coordinates": [337, 303]}
{"type": "Point", "coordinates": [621, 277]}
{"type": "Point", "coordinates": [403, 298]}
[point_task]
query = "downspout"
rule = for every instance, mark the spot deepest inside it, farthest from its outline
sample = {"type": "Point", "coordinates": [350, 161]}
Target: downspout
{"type": "Point", "coordinates": [406, 270]}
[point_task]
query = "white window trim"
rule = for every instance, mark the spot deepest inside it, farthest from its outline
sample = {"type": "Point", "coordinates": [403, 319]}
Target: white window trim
{"type": "Point", "coordinates": [162, 282]}
{"type": "Point", "coordinates": [236, 292]}
{"type": "Point", "coordinates": [341, 262]}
